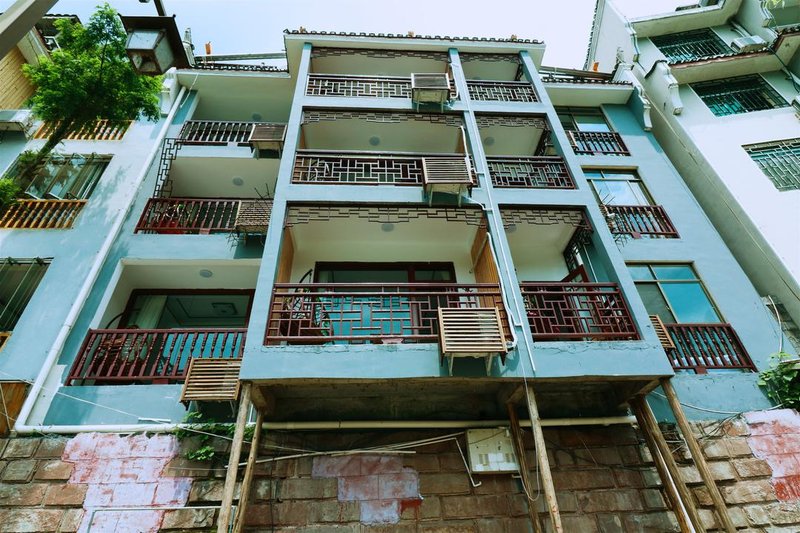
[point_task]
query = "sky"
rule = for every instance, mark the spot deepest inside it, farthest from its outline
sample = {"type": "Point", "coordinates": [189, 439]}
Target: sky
{"type": "Point", "coordinates": [251, 26]}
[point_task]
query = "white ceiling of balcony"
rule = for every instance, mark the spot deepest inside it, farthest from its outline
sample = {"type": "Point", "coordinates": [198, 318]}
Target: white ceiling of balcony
{"type": "Point", "coordinates": [538, 249]}
{"type": "Point", "coordinates": [510, 140]}
{"type": "Point", "coordinates": [404, 136]}
{"type": "Point", "coordinates": [245, 96]}
{"type": "Point", "coordinates": [223, 177]}
{"type": "Point", "coordinates": [725, 67]}
{"type": "Point", "coordinates": [375, 66]}
{"type": "Point", "coordinates": [690, 19]}
{"type": "Point", "coordinates": [490, 70]}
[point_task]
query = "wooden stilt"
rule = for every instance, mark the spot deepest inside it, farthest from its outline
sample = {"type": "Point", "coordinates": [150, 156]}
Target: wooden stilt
{"type": "Point", "coordinates": [651, 426]}
{"type": "Point", "coordinates": [524, 471]}
{"type": "Point", "coordinates": [544, 463]}
{"type": "Point", "coordinates": [663, 473]}
{"type": "Point", "coordinates": [697, 455]}
{"type": "Point", "coordinates": [247, 481]}
{"type": "Point", "coordinates": [224, 519]}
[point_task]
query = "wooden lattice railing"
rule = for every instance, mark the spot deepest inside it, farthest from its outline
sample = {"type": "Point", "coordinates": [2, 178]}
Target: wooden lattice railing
{"type": "Point", "coordinates": [315, 313]}
{"type": "Point", "coordinates": [501, 91]}
{"type": "Point", "coordinates": [577, 311]}
{"type": "Point", "coordinates": [41, 214]}
{"type": "Point", "coordinates": [102, 130]}
{"type": "Point", "coordinates": [703, 347]}
{"type": "Point", "coordinates": [597, 143]}
{"type": "Point", "coordinates": [640, 220]}
{"type": "Point", "coordinates": [126, 356]}
{"type": "Point", "coordinates": [539, 172]}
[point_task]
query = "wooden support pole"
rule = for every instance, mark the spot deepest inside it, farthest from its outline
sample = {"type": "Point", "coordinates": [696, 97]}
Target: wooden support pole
{"type": "Point", "coordinates": [544, 463]}
{"type": "Point", "coordinates": [651, 426]}
{"type": "Point", "coordinates": [524, 471]}
{"type": "Point", "coordinates": [663, 473]}
{"type": "Point", "coordinates": [697, 455]}
{"type": "Point", "coordinates": [247, 481]}
{"type": "Point", "coordinates": [224, 519]}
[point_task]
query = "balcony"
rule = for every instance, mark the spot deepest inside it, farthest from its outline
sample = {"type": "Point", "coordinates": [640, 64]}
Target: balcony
{"type": "Point", "coordinates": [358, 86]}
{"type": "Point", "coordinates": [639, 221]}
{"type": "Point", "coordinates": [101, 130]}
{"type": "Point", "coordinates": [376, 313]}
{"type": "Point", "coordinates": [154, 356]}
{"type": "Point", "coordinates": [216, 132]}
{"type": "Point", "coordinates": [532, 172]}
{"type": "Point", "coordinates": [704, 347]}
{"type": "Point", "coordinates": [501, 91]}
{"type": "Point", "coordinates": [41, 214]}
{"type": "Point", "coordinates": [597, 143]}
{"type": "Point", "coordinates": [577, 312]}
{"type": "Point", "coordinates": [203, 216]}
{"type": "Point", "coordinates": [377, 168]}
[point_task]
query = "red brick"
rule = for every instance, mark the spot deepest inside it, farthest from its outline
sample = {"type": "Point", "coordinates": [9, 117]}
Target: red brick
{"type": "Point", "coordinates": [65, 495]}
{"type": "Point", "coordinates": [379, 512]}
{"type": "Point", "coordinates": [80, 447]}
{"type": "Point", "coordinates": [654, 499]}
{"type": "Point", "coordinates": [51, 447]}
{"type": "Point", "coordinates": [188, 518]}
{"type": "Point", "coordinates": [346, 465]}
{"type": "Point", "coordinates": [766, 445]}
{"type": "Point", "coordinates": [787, 488]}
{"type": "Point", "coordinates": [308, 488]}
{"type": "Point", "coordinates": [71, 521]}
{"type": "Point", "coordinates": [582, 523]}
{"type": "Point", "coordinates": [598, 501]}
{"type": "Point", "coordinates": [18, 448]}
{"type": "Point", "coordinates": [54, 470]}
{"type": "Point", "coordinates": [398, 486]}
{"type": "Point", "coordinates": [783, 513]}
{"type": "Point", "coordinates": [749, 492]}
{"type": "Point", "coordinates": [358, 488]}
{"type": "Point", "coordinates": [597, 436]}
{"type": "Point", "coordinates": [210, 490]}
{"type": "Point", "coordinates": [381, 464]}
{"type": "Point", "coordinates": [422, 462]}
{"type": "Point", "coordinates": [19, 470]}
{"type": "Point", "coordinates": [498, 485]}
{"type": "Point", "coordinates": [443, 484]}
{"type": "Point", "coordinates": [474, 506]}
{"type": "Point", "coordinates": [752, 467]}
{"type": "Point", "coordinates": [27, 495]}
{"type": "Point", "coordinates": [608, 523]}
{"type": "Point", "coordinates": [30, 520]}
{"type": "Point", "coordinates": [448, 527]}
{"type": "Point", "coordinates": [783, 465]}
{"type": "Point", "coordinates": [585, 478]}
{"type": "Point", "coordinates": [660, 522]}
{"type": "Point", "coordinates": [172, 491]}
{"type": "Point", "coordinates": [629, 479]}
{"type": "Point", "coordinates": [491, 525]}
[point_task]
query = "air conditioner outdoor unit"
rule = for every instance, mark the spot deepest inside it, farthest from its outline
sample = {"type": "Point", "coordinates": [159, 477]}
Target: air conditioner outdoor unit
{"type": "Point", "coordinates": [17, 120]}
{"type": "Point", "coordinates": [430, 89]}
{"type": "Point", "coordinates": [268, 137]}
{"type": "Point", "coordinates": [748, 44]}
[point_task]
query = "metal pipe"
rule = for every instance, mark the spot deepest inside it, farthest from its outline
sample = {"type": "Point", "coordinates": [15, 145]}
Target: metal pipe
{"type": "Point", "coordinates": [89, 280]}
{"type": "Point", "coordinates": [325, 425]}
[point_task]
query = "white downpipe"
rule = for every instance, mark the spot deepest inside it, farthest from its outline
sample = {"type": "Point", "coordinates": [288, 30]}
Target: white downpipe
{"type": "Point", "coordinates": [91, 277]}
{"type": "Point", "coordinates": [327, 425]}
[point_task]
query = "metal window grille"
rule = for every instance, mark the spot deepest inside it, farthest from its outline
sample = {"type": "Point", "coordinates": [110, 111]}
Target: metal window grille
{"type": "Point", "coordinates": [743, 94]}
{"type": "Point", "coordinates": [18, 280]}
{"type": "Point", "coordinates": [780, 161]}
{"type": "Point", "coordinates": [67, 177]}
{"type": "Point", "coordinates": [690, 45]}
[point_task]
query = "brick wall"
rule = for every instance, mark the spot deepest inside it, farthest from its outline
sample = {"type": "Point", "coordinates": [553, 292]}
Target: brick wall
{"type": "Point", "coordinates": [603, 476]}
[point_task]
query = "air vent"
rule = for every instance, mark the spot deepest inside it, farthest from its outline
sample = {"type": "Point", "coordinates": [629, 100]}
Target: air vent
{"type": "Point", "coordinates": [211, 380]}
{"type": "Point", "coordinates": [430, 89]}
{"type": "Point", "coordinates": [473, 332]}
{"type": "Point", "coordinates": [748, 44]}
{"type": "Point", "coordinates": [268, 137]}
{"type": "Point", "coordinates": [451, 175]}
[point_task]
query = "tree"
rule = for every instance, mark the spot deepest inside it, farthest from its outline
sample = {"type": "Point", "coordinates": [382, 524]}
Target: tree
{"type": "Point", "coordinates": [87, 79]}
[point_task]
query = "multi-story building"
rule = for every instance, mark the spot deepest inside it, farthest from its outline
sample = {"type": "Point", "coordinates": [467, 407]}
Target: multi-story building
{"type": "Point", "coordinates": [721, 84]}
{"type": "Point", "coordinates": [394, 233]}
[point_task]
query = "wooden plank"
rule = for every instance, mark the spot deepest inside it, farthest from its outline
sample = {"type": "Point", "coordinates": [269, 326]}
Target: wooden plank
{"type": "Point", "coordinates": [286, 259]}
{"type": "Point", "coordinates": [697, 454]}
{"type": "Point", "coordinates": [247, 481]}
{"type": "Point", "coordinates": [225, 510]}
{"type": "Point", "coordinates": [544, 463]}
{"type": "Point", "coordinates": [649, 424]}
{"type": "Point", "coordinates": [662, 333]}
{"type": "Point", "coordinates": [13, 396]}
{"type": "Point", "coordinates": [524, 471]}
{"type": "Point", "coordinates": [15, 89]}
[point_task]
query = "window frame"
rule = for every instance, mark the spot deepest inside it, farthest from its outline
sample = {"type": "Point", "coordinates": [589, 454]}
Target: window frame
{"type": "Point", "coordinates": [125, 316]}
{"type": "Point", "coordinates": [43, 265]}
{"type": "Point", "coordinates": [721, 88]}
{"type": "Point", "coordinates": [710, 37]}
{"type": "Point", "coordinates": [790, 148]}
{"type": "Point", "coordinates": [657, 282]}
{"type": "Point", "coordinates": [569, 112]}
{"type": "Point", "coordinates": [92, 168]}
{"type": "Point", "coordinates": [409, 266]}
{"type": "Point", "coordinates": [631, 171]}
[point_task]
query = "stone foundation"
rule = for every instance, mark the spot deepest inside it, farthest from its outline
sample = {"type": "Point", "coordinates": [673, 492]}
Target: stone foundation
{"type": "Point", "coordinates": [604, 478]}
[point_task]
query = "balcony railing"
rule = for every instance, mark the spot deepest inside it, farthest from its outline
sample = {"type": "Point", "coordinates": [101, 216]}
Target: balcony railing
{"type": "Point", "coordinates": [501, 91]}
{"type": "Point", "coordinates": [102, 130]}
{"type": "Point", "coordinates": [597, 143]}
{"type": "Point", "coordinates": [128, 356]}
{"type": "Point", "coordinates": [358, 86]}
{"type": "Point", "coordinates": [216, 132]}
{"type": "Point", "coordinates": [540, 172]}
{"type": "Point", "coordinates": [41, 214]}
{"type": "Point", "coordinates": [317, 313]}
{"type": "Point", "coordinates": [363, 168]}
{"type": "Point", "coordinates": [189, 215]}
{"type": "Point", "coordinates": [577, 311]}
{"type": "Point", "coordinates": [640, 220]}
{"type": "Point", "coordinates": [703, 347]}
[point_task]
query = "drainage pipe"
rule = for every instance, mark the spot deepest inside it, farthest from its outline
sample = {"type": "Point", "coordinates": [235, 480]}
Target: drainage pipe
{"type": "Point", "coordinates": [91, 278]}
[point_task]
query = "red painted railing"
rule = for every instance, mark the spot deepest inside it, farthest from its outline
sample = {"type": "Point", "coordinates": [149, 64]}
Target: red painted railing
{"type": "Point", "coordinates": [188, 215]}
{"type": "Point", "coordinates": [639, 220]}
{"type": "Point", "coordinates": [316, 313]}
{"type": "Point", "coordinates": [701, 347]}
{"type": "Point", "coordinates": [577, 311]}
{"type": "Point", "coordinates": [127, 356]}
{"type": "Point", "coordinates": [597, 143]}
{"type": "Point", "coordinates": [539, 172]}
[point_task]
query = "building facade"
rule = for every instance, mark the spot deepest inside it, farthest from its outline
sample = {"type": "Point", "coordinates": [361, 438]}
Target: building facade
{"type": "Point", "coordinates": [394, 232]}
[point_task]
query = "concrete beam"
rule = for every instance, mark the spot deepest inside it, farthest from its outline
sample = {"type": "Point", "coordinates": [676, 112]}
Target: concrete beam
{"type": "Point", "coordinates": [18, 20]}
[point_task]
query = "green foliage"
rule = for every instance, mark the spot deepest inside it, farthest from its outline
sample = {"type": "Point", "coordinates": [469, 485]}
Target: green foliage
{"type": "Point", "coordinates": [90, 78]}
{"type": "Point", "coordinates": [782, 380]}
{"type": "Point", "coordinates": [206, 430]}
{"type": "Point", "coordinates": [9, 190]}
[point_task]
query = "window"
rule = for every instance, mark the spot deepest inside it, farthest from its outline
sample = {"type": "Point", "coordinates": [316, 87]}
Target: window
{"type": "Point", "coordinates": [169, 309]}
{"type": "Point", "coordinates": [690, 45]}
{"type": "Point", "coordinates": [385, 273]}
{"type": "Point", "coordinates": [618, 187]}
{"type": "Point", "coordinates": [18, 281]}
{"type": "Point", "coordinates": [582, 119]}
{"type": "Point", "coordinates": [780, 161]}
{"type": "Point", "coordinates": [744, 94]}
{"type": "Point", "coordinates": [71, 177]}
{"type": "Point", "coordinates": [674, 293]}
